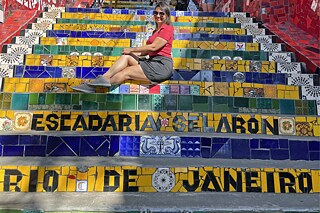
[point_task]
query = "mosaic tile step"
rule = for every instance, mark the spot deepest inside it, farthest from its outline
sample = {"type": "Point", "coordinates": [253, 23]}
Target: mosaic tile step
{"type": "Point", "coordinates": [178, 63]}
{"type": "Point", "coordinates": [141, 37]}
{"type": "Point", "coordinates": [146, 12]}
{"type": "Point", "coordinates": [136, 179]}
{"type": "Point", "coordinates": [21, 71]}
{"type": "Point", "coordinates": [148, 17]}
{"type": "Point", "coordinates": [143, 28]}
{"type": "Point", "coordinates": [232, 89]}
{"type": "Point", "coordinates": [160, 146]}
{"type": "Point", "coordinates": [265, 40]}
{"type": "Point", "coordinates": [156, 122]}
{"type": "Point", "coordinates": [156, 101]}
{"type": "Point", "coordinates": [117, 51]}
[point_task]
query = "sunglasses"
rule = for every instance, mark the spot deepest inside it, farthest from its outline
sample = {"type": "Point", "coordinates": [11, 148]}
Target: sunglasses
{"type": "Point", "coordinates": [155, 13]}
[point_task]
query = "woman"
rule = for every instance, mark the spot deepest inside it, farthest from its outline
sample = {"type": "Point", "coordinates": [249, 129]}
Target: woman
{"type": "Point", "coordinates": [157, 68]}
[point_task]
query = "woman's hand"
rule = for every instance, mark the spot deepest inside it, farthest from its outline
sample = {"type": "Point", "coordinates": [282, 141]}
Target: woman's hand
{"type": "Point", "coordinates": [127, 51]}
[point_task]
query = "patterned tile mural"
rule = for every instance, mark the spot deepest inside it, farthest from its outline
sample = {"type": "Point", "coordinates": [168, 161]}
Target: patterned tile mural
{"type": "Point", "coordinates": [166, 179]}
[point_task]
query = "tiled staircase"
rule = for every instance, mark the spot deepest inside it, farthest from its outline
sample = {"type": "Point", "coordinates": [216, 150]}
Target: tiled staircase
{"type": "Point", "coordinates": [239, 114]}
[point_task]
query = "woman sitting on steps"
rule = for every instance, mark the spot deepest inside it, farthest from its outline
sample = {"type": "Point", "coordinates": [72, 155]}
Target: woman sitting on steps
{"type": "Point", "coordinates": [157, 68]}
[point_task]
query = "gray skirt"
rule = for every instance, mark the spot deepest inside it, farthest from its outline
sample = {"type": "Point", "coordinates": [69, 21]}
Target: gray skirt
{"type": "Point", "coordinates": [157, 68]}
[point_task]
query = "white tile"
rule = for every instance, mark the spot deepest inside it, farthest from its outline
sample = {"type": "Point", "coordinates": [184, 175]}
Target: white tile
{"type": "Point", "coordinates": [270, 47]}
{"type": "Point", "coordinates": [280, 57]}
{"type": "Point", "coordinates": [300, 79]}
{"type": "Point", "coordinates": [19, 49]}
{"type": "Point", "coordinates": [52, 15]}
{"type": "Point", "coordinates": [256, 31]}
{"type": "Point", "coordinates": [310, 92]}
{"type": "Point", "coordinates": [163, 180]}
{"type": "Point", "coordinates": [27, 40]}
{"type": "Point", "coordinates": [287, 126]}
{"type": "Point", "coordinates": [290, 67]}
{"type": "Point", "coordinates": [46, 20]}
{"type": "Point", "coordinates": [262, 39]}
{"type": "Point", "coordinates": [11, 58]}
{"type": "Point", "coordinates": [35, 33]}
{"type": "Point", "coordinates": [41, 26]}
{"type": "Point", "coordinates": [82, 186]}
{"type": "Point", "coordinates": [318, 107]}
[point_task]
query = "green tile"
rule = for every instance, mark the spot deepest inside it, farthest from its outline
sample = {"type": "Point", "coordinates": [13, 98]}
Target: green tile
{"type": "Point", "coordinates": [170, 102]}
{"type": "Point", "coordinates": [50, 98]}
{"type": "Point", "coordinates": [157, 102]}
{"type": "Point", "coordinates": [63, 98]}
{"type": "Point", "coordinates": [6, 105]}
{"type": "Point", "coordinates": [33, 99]}
{"type": "Point", "coordinates": [89, 105]}
{"type": "Point", "coordinates": [275, 104]}
{"type": "Point", "coordinates": [241, 102]}
{"type": "Point", "coordinates": [88, 97]}
{"type": "Point", "coordinates": [129, 102]}
{"type": "Point", "coordinates": [298, 103]}
{"type": "Point", "coordinates": [42, 98]}
{"type": "Point", "coordinates": [101, 97]}
{"type": "Point", "coordinates": [264, 103]}
{"type": "Point", "coordinates": [102, 106]}
{"type": "Point", "coordinates": [185, 102]}
{"type": "Point", "coordinates": [75, 98]}
{"type": "Point", "coordinates": [20, 101]}
{"type": "Point", "coordinates": [299, 111]}
{"type": "Point", "coordinates": [252, 103]}
{"type": "Point", "coordinates": [144, 102]}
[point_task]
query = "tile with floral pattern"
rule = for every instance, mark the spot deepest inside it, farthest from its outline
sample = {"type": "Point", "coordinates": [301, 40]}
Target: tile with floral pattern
{"type": "Point", "coordinates": [287, 126]}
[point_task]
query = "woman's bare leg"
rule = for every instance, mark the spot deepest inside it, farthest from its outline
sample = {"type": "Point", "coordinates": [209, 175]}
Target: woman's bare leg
{"type": "Point", "coordinates": [123, 62]}
{"type": "Point", "coordinates": [130, 73]}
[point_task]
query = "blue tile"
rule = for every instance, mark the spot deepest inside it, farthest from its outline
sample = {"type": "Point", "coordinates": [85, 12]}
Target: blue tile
{"type": "Point", "coordinates": [9, 139]}
{"type": "Point", "coordinates": [35, 151]}
{"type": "Point", "coordinates": [205, 142]}
{"type": "Point", "coordinates": [240, 149]}
{"type": "Point", "coordinates": [86, 149]}
{"type": "Point", "coordinates": [254, 143]}
{"type": "Point", "coordinates": [114, 145]}
{"type": "Point", "coordinates": [279, 154]}
{"type": "Point", "coordinates": [13, 151]}
{"type": "Point", "coordinates": [283, 143]}
{"type": "Point", "coordinates": [314, 146]}
{"type": "Point", "coordinates": [19, 101]}
{"type": "Point", "coordinates": [315, 156]}
{"type": "Point", "coordinates": [298, 150]}
{"type": "Point", "coordinates": [53, 142]}
{"type": "Point", "coordinates": [269, 143]}
{"type": "Point", "coordinates": [287, 107]}
{"type": "Point", "coordinates": [260, 154]}
{"type": "Point", "coordinates": [0, 150]}
{"type": "Point", "coordinates": [103, 150]}
{"type": "Point", "coordinates": [62, 150]}
{"type": "Point", "coordinates": [29, 139]}
{"type": "Point", "coordinates": [205, 152]}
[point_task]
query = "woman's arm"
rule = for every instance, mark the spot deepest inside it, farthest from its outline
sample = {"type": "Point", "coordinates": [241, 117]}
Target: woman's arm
{"type": "Point", "coordinates": [157, 44]}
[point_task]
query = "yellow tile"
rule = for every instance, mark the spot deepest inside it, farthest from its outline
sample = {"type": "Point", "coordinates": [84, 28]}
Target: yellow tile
{"type": "Point", "coordinates": [62, 184]}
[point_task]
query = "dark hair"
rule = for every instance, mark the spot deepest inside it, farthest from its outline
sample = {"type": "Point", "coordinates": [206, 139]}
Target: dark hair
{"type": "Point", "coordinates": [166, 9]}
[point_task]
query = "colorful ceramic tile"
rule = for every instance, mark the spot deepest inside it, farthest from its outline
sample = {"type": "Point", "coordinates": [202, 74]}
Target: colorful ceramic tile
{"type": "Point", "coordinates": [61, 41]}
{"type": "Point", "coordinates": [68, 72]}
{"type": "Point", "coordinates": [221, 89]}
{"type": "Point", "coordinates": [19, 49]}
{"type": "Point", "coordinates": [82, 186]}
{"type": "Point", "coordinates": [29, 40]}
{"type": "Point", "coordinates": [289, 67]}
{"type": "Point", "coordinates": [22, 121]}
{"type": "Point", "coordinates": [263, 39]}
{"type": "Point", "coordinates": [280, 57]}
{"type": "Point", "coordinates": [55, 87]}
{"type": "Point", "coordinates": [271, 47]}
{"type": "Point", "coordinates": [163, 180]}
{"type": "Point", "coordinates": [240, 46]}
{"type": "Point", "coordinates": [35, 33]}
{"type": "Point", "coordinates": [310, 92]}
{"type": "Point", "coordinates": [304, 129]}
{"type": "Point", "coordinates": [253, 92]}
{"type": "Point", "coordinates": [11, 58]}
{"type": "Point", "coordinates": [6, 124]}
{"type": "Point", "coordinates": [46, 60]}
{"type": "Point", "coordinates": [300, 79]}
{"type": "Point", "coordinates": [287, 126]}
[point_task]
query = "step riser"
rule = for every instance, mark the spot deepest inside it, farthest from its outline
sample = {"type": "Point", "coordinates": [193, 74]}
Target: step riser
{"type": "Point", "coordinates": [159, 146]}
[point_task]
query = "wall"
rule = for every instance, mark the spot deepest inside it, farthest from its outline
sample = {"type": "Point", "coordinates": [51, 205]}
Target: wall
{"type": "Point", "coordinates": [306, 15]}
